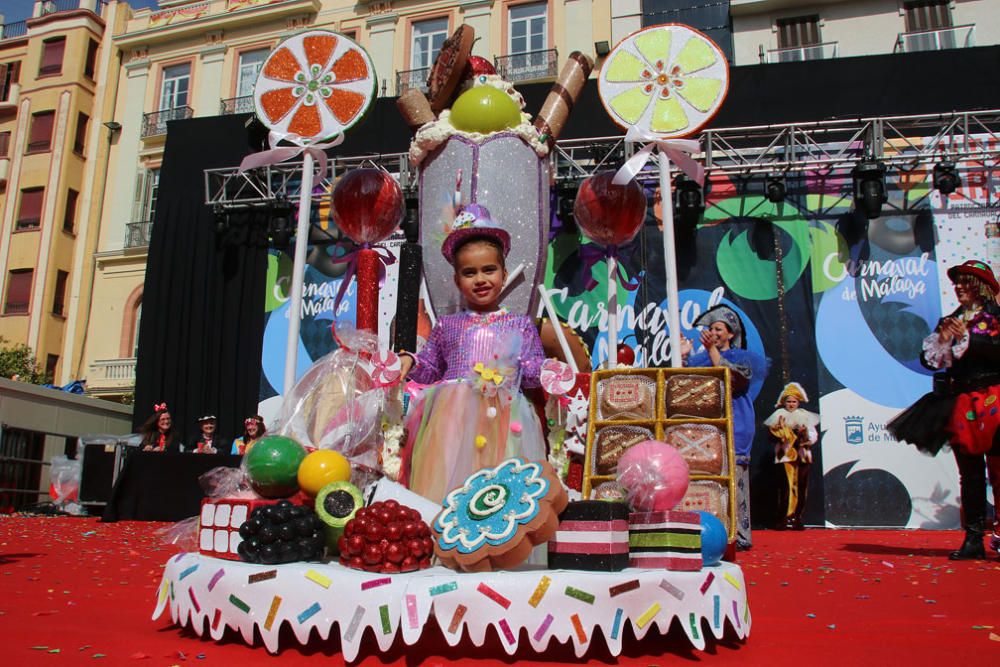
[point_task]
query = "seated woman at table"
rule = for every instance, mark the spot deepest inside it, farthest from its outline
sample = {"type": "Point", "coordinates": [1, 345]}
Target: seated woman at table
{"type": "Point", "coordinates": [157, 432]}
{"type": "Point", "coordinates": [253, 430]}
{"type": "Point", "coordinates": [207, 443]}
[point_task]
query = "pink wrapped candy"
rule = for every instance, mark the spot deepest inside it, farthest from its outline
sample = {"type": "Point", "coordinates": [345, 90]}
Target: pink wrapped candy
{"type": "Point", "coordinates": [654, 474]}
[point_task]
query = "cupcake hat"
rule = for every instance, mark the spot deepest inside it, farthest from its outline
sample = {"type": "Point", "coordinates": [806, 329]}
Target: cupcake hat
{"type": "Point", "coordinates": [473, 221]}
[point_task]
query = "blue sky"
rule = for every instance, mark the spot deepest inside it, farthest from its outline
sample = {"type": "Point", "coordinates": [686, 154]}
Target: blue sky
{"type": "Point", "coordinates": [18, 10]}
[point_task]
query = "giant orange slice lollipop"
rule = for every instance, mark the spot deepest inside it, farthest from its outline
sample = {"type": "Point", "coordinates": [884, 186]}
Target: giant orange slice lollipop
{"type": "Point", "coordinates": [668, 80]}
{"type": "Point", "coordinates": [314, 86]}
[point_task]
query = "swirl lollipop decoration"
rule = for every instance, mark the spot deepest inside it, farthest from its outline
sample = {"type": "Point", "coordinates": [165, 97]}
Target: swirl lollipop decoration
{"type": "Point", "coordinates": [661, 83]}
{"type": "Point", "coordinates": [311, 89]}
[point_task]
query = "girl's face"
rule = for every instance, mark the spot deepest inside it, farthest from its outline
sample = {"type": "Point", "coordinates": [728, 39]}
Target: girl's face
{"type": "Point", "coordinates": [791, 403]}
{"type": "Point", "coordinates": [208, 428]}
{"type": "Point", "coordinates": [480, 275]}
{"type": "Point", "coordinates": [163, 421]}
{"type": "Point", "coordinates": [721, 333]}
{"type": "Point", "coordinates": [253, 429]}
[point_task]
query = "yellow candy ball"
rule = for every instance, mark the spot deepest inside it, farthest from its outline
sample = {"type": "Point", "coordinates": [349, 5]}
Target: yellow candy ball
{"type": "Point", "coordinates": [480, 441]}
{"type": "Point", "coordinates": [484, 109]}
{"type": "Point", "coordinates": [322, 467]}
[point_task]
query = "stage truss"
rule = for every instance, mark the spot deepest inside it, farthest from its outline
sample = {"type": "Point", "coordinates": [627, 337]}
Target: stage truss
{"type": "Point", "coordinates": [793, 150]}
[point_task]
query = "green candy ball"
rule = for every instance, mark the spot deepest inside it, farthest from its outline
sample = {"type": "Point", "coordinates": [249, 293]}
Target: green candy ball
{"type": "Point", "coordinates": [273, 465]}
{"type": "Point", "coordinates": [484, 109]}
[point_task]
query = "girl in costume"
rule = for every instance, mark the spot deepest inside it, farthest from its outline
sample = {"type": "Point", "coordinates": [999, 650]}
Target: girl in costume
{"type": "Point", "coordinates": [963, 409]}
{"type": "Point", "coordinates": [158, 431]}
{"type": "Point", "coordinates": [793, 430]}
{"type": "Point", "coordinates": [725, 345]}
{"type": "Point", "coordinates": [253, 430]}
{"type": "Point", "coordinates": [475, 416]}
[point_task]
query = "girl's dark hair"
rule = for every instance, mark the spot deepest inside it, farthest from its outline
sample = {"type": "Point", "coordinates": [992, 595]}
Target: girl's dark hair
{"type": "Point", "coordinates": [488, 240]}
{"type": "Point", "coordinates": [150, 431]}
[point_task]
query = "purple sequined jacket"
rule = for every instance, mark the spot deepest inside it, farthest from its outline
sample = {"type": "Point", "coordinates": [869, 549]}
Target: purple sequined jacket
{"type": "Point", "coordinates": [459, 341]}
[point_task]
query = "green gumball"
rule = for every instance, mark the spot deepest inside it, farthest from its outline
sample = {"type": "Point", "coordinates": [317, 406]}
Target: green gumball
{"type": "Point", "coordinates": [273, 465]}
{"type": "Point", "coordinates": [484, 109]}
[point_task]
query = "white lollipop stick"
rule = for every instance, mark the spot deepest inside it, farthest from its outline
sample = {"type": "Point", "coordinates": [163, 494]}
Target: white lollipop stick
{"type": "Point", "coordinates": [670, 260]}
{"type": "Point", "coordinates": [511, 277]}
{"type": "Point", "coordinates": [298, 271]}
{"type": "Point", "coordinates": [550, 310]}
{"type": "Point", "coordinates": [612, 312]}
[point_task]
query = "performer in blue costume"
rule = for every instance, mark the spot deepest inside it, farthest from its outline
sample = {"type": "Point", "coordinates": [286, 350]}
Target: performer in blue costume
{"type": "Point", "coordinates": [725, 345]}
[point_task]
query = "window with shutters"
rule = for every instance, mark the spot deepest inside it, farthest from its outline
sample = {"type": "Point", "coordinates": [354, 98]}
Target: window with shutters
{"type": "Point", "coordinates": [52, 56]}
{"type": "Point", "coordinates": [147, 187]}
{"type": "Point", "coordinates": [426, 40]}
{"type": "Point", "coordinates": [175, 86]}
{"type": "Point", "coordinates": [69, 220]}
{"type": "Point", "coordinates": [18, 297]}
{"type": "Point", "coordinates": [250, 64]}
{"type": "Point", "coordinates": [798, 31]}
{"type": "Point", "coordinates": [40, 135]}
{"type": "Point", "coordinates": [51, 361]}
{"type": "Point", "coordinates": [80, 138]}
{"type": "Point", "coordinates": [527, 28]}
{"type": "Point", "coordinates": [90, 64]}
{"type": "Point", "coordinates": [10, 74]}
{"type": "Point", "coordinates": [59, 295]}
{"type": "Point", "coordinates": [924, 15]}
{"type": "Point", "coordinates": [29, 214]}
{"type": "Point", "coordinates": [4, 144]}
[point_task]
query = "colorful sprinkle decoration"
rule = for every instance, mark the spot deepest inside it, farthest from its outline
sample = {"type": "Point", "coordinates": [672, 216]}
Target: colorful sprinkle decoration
{"type": "Point", "coordinates": [648, 615]}
{"type": "Point", "coordinates": [215, 578]}
{"type": "Point", "coordinates": [540, 590]}
{"type": "Point", "coordinates": [540, 632]}
{"type": "Point", "coordinates": [258, 577]}
{"type": "Point", "coordinates": [708, 582]}
{"type": "Point", "coordinates": [375, 583]}
{"type": "Point", "coordinates": [188, 571]}
{"type": "Point", "coordinates": [272, 612]}
{"type": "Point", "coordinates": [383, 614]}
{"type": "Point", "coordinates": [493, 595]}
{"type": "Point", "coordinates": [352, 628]}
{"type": "Point", "coordinates": [578, 628]}
{"type": "Point", "coordinates": [309, 612]}
{"type": "Point", "coordinates": [673, 590]}
{"type": "Point", "coordinates": [618, 623]}
{"type": "Point", "coordinates": [239, 604]}
{"type": "Point", "coordinates": [505, 628]}
{"type": "Point", "coordinates": [582, 596]}
{"type": "Point", "coordinates": [618, 589]}
{"type": "Point", "coordinates": [456, 618]}
{"type": "Point", "coordinates": [441, 589]}
{"type": "Point", "coordinates": [321, 580]}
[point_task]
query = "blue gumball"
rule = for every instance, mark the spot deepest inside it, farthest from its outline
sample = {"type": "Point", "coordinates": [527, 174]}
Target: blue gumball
{"type": "Point", "coordinates": [713, 538]}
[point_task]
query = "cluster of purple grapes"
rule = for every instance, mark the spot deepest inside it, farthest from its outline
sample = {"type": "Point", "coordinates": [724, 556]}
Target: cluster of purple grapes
{"type": "Point", "coordinates": [281, 533]}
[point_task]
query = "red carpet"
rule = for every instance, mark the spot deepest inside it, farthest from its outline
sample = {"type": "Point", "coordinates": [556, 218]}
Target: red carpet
{"type": "Point", "coordinates": [75, 592]}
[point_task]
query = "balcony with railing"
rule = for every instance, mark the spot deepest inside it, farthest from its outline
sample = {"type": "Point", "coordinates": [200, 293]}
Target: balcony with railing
{"type": "Point", "coordinates": [235, 105]}
{"type": "Point", "coordinates": [138, 234]}
{"type": "Point", "coordinates": [155, 124]}
{"type": "Point", "coordinates": [955, 37]}
{"type": "Point", "coordinates": [412, 78]}
{"type": "Point", "coordinates": [111, 375]}
{"type": "Point", "coordinates": [796, 54]}
{"type": "Point", "coordinates": [528, 66]}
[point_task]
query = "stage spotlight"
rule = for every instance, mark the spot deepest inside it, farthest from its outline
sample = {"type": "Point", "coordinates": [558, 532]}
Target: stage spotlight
{"type": "Point", "coordinates": [946, 178]}
{"type": "Point", "coordinates": [281, 227]}
{"type": "Point", "coordinates": [221, 219]}
{"type": "Point", "coordinates": [774, 189]}
{"type": "Point", "coordinates": [689, 202]}
{"type": "Point", "coordinates": [869, 188]}
{"type": "Point", "coordinates": [567, 192]}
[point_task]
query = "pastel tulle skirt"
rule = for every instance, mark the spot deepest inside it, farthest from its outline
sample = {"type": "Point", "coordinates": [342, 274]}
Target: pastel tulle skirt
{"type": "Point", "coordinates": [456, 430]}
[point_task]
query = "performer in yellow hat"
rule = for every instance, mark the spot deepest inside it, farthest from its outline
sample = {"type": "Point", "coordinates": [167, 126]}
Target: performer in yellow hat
{"type": "Point", "coordinates": [794, 431]}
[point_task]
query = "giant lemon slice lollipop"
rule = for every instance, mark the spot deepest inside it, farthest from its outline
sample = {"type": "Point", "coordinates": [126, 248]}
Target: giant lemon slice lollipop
{"type": "Point", "coordinates": [668, 80]}
{"type": "Point", "coordinates": [314, 86]}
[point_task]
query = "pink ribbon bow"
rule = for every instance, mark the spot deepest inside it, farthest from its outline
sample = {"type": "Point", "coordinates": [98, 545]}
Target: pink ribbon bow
{"type": "Point", "coordinates": [278, 154]}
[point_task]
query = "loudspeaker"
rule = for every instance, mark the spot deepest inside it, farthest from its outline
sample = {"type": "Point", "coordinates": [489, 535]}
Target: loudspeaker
{"type": "Point", "coordinates": [101, 464]}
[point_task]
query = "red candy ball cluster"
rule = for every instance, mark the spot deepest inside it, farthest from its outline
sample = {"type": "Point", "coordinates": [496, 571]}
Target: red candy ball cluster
{"type": "Point", "coordinates": [386, 537]}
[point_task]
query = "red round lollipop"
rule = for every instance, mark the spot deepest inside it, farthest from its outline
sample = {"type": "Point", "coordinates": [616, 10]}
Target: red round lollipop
{"type": "Point", "coordinates": [609, 214]}
{"type": "Point", "coordinates": [367, 204]}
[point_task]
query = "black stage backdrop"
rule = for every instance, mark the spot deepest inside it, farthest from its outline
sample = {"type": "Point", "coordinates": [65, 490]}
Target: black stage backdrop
{"type": "Point", "coordinates": [200, 335]}
{"type": "Point", "coordinates": [203, 304]}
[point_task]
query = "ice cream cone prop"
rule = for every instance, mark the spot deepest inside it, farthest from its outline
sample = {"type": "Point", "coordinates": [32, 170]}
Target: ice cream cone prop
{"type": "Point", "coordinates": [662, 83]}
{"type": "Point", "coordinates": [311, 89]}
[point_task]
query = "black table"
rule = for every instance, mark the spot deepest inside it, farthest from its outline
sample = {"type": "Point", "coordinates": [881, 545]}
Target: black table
{"type": "Point", "coordinates": [156, 486]}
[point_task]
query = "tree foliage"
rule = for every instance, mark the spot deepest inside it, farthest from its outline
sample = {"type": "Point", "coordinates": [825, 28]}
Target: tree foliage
{"type": "Point", "coordinates": [17, 361]}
